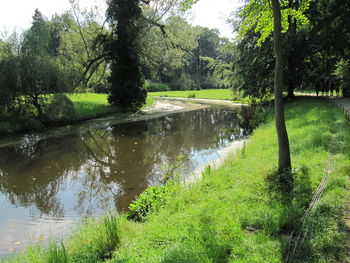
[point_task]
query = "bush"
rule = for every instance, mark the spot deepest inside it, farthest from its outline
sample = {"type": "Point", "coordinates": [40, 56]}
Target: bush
{"type": "Point", "coordinates": [191, 95]}
{"type": "Point", "coordinates": [342, 72]}
{"type": "Point", "coordinates": [153, 86]}
{"type": "Point", "coordinates": [60, 108]}
{"type": "Point", "coordinates": [149, 202]}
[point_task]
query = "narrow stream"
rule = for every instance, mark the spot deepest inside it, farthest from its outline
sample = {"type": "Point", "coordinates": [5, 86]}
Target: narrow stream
{"type": "Point", "coordinates": [47, 186]}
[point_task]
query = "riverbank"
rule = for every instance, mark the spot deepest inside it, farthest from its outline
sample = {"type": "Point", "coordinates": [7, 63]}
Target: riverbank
{"type": "Point", "coordinates": [88, 106]}
{"type": "Point", "coordinates": [236, 213]}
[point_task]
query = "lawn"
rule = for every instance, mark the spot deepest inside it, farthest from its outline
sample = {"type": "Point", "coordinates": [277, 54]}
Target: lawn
{"type": "Point", "coordinates": [239, 212]}
{"type": "Point", "coordinates": [218, 94]}
{"type": "Point", "coordinates": [90, 105]}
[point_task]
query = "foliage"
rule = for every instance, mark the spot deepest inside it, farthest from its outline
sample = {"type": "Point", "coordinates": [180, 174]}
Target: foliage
{"type": "Point", "coordinates": [60, 108]}
{"type": "Point", "coordinates": [253, 67]}
{"type": "Point", "coordinates": [86, 106]}
{"type": "Point", "coordinates": [125, 78]}
{"type": "Point", "coordinates": [77, 46]}
{"type": "Point", "coordinates": [153, 86]}
{"type": "Point", "coordinates": [35, 72]}
{"type": "Point", "coordinates": [342, 72]}
{"type": "Point", "coordinates": [191, 95]}
{"type": "Point", "coordinates": [9, 83]}
{"type": "Point", "coordinates": [150, 201]}
{"type": "Point", "coordinates": [257, 15]}
{"type": "Point", "coordinates": [177, 54]}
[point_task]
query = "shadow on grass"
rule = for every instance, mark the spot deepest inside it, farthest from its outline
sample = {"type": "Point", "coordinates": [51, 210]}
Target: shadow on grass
{"type": "Point", "coordinates": [312, 238]}
{"type": "Point", "coordinates": [204, 244]}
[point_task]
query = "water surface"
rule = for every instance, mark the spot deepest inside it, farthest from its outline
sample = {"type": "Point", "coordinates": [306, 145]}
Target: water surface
{"type": "Point", "coordinates": [47, 185]}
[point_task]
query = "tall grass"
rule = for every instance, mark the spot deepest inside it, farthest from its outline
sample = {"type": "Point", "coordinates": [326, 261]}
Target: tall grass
{"type": "Point", "coordinates": [95, 241]}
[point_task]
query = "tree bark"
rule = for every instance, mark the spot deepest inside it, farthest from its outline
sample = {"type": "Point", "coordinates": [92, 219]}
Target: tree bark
{"type": "Point", "coordinates": [284, 162]}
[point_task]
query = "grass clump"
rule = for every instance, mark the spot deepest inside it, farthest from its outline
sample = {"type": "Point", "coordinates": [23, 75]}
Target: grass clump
{"type": "Point", "coordinates": [95, 241]}
{"type": "Point", "coordinates": [57, 253]}
{"type": "Point", "coordinates": [150, 201]}
{"type": "Point", "coordinates": [191, 95]}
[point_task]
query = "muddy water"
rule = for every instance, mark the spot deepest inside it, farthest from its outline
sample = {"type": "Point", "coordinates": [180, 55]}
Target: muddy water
{"type": "Point", "coordinates": [46, 186]}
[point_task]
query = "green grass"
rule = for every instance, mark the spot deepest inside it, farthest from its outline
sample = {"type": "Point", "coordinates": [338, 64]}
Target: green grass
{"type": "Point", "coordinates": [218, 94]}
{"type": "Point", "coordinates": [90, 105]}
{"type": "Point", "coordinates": [238, 212]}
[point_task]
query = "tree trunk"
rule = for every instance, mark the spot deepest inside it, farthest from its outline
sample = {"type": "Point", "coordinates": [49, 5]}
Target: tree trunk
{"type": "Point", "coordinates": [290, 90]}
{"type": "Point", "coordinates": [37, 105]}
{"type": "Point", "coordinates": [284, 162]}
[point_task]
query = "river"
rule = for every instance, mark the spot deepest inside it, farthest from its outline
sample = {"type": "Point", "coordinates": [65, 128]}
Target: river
{"type": "Point", "coordinates": [47, 185]}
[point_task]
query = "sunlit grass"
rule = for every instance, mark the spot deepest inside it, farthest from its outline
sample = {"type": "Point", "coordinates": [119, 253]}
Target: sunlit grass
{"type": "Point", "coordinates": [218, 94]}
{"type": "Point", "coordinates": [90, 105]}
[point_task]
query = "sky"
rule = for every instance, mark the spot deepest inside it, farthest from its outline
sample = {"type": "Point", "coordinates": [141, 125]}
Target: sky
{"type": "Point", "coordinates": [18, 13]}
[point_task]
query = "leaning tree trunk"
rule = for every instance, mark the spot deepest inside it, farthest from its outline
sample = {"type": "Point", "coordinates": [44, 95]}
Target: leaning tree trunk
{"type": "Point", "coordinates": [282, 135]}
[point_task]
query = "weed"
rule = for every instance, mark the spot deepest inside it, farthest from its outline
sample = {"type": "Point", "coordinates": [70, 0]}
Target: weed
{"type": "Point", "coordinates": [191, 95]}
{"type": "Point", "coordinates": [57, 253]}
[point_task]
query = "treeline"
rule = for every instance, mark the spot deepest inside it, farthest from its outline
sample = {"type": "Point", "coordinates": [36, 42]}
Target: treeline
{"type": "Point", "coordinates": [316, 50]}
{"type": "Point", "coordinates": [69, 53]}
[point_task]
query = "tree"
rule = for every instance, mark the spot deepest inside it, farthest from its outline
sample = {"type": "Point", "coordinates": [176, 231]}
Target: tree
{"type": "Point", "coordinates": [284, 162]}
{"type": "Point", "coordinates": [31, 75]}
{"type": "Point", "coordinates": [125, 78]}
{"type": "Point", "coordinates": [253, 66]}
{"type": "Point", "coordinates": [8, 79]}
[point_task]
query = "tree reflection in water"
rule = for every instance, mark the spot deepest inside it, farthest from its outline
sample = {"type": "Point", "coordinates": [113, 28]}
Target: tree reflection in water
{"type": "Point", "coordinates": [98, 169]}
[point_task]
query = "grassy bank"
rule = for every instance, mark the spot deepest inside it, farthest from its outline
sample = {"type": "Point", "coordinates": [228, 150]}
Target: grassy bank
{"type": "Point", "coordinates": [218, 94]}
{"type": "Point", "coordinates": [237, 213]}
{"type": "Point", "coordinates": [86, 106]}
{"type": "Point", "coordinates": [90, 105]}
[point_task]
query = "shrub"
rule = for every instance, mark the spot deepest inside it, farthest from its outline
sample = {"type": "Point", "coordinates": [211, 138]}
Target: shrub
{"type": "Point", "coordinates": [60, 108]}
{"type": "Point", "coordinates": [153, 86]}
{"type": "Point", "coordinates": [149, 202]}
{"type": "Point", "coordinates": [191, 95]}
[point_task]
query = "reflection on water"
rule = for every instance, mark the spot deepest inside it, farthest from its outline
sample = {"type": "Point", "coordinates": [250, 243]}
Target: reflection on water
{"type": "Point", "coordinates": [46, 186]}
